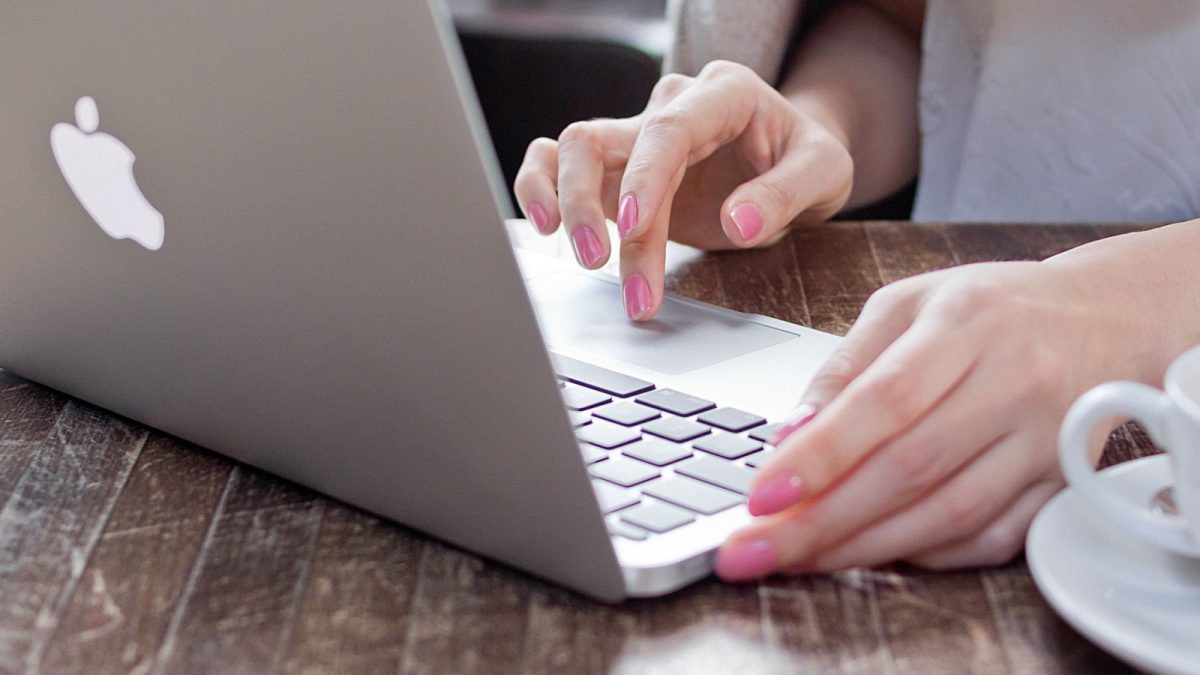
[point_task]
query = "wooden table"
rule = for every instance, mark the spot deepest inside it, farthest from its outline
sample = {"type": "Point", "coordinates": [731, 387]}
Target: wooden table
{"type": "Point", "coordinates": [122, 549]}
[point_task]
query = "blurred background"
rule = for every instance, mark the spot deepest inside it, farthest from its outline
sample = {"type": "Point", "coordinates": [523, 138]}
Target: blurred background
{"type": "Point", "coordinates": [539, 65]}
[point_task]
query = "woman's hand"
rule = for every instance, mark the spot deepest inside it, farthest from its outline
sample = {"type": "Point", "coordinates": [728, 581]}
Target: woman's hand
{"type": "Point", "coordinates": [930, 434]}
{"type": "Point", "coordinates": [717, 161]}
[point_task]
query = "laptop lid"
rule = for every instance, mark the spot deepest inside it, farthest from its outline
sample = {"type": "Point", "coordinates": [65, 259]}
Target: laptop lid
{"type": "Point", "coordinates": [317, 283]}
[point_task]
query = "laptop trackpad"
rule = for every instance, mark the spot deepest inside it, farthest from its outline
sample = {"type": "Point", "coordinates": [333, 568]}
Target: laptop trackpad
{"type": "Point", "coordinates": [580, 311]}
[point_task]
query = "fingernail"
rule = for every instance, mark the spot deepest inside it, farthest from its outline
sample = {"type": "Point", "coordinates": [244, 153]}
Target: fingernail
{"type": "Point", "coordinates": [540, 220]}
{"type": "Point", "coordinates": [637, 297]}
{"type": "Point", "coordinates": [587, 246]}
{"type": "Point", "coordinates": [776, 495]}
{"type": "Point", "coordinates": [744, 560]}
{"type": "Point", "coordinates": [748, 219]}
{"type": "Point", "coordinates": [627, 215]}
{"type": "Point", "coordinates": [803, 414]}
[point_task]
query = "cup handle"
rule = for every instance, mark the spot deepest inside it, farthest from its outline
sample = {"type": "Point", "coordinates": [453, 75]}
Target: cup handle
{"type": "Point", "coordinates": [1149, 406]}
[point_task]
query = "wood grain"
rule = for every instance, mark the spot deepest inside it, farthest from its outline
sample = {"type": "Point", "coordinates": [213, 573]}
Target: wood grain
{"type": "Point", "coordinates": [125, 550]}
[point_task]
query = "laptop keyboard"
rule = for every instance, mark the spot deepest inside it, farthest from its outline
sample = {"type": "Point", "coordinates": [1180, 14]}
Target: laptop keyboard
{"type": "Point", "coordinates": [659, 459]}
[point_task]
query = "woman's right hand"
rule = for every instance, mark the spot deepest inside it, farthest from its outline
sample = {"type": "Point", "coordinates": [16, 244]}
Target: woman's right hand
{"type": "Point", "coordinates": [717, 161]}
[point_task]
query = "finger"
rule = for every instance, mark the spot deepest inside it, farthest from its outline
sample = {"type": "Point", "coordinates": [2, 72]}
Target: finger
{"type": "Point", "coordinates": [669, 87]}
{"type": "Point", "coordinates": [907, 380]}
{"type": "Point", "coordinates": [584, 150]}
{"type": "Point", "coordinates": [885, 316]}
{"type": "Point", "coordinates": [536, 185]}
{"type": "Point", "coordinates": [997, 543]}
{"type": "Point", "coordinates": [811, 178]}
{"type": "Point", "coordinates": [963, 505]}
{"type": "Point", "coordinates": [899, 474]}
{"type": "Point", "coordinates": [643, 264]}
{"type": "Point", "coordinates": [714, 110]}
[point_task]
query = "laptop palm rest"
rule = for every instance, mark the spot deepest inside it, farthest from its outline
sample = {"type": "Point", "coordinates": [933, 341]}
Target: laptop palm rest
{"type": "Point", "coordinates": [577, 310]}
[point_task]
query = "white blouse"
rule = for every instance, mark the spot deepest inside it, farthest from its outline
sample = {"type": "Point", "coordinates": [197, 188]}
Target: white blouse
{"type": "Point", "coordinates": [1060, 110]}
{"type": "Point", "coordinates": [1030, 110]}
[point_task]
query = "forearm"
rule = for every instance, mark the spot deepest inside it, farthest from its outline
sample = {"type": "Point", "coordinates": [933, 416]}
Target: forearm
{"type": "Point", "coordinates": [857, 74]}
{"type": "Point", "coordinates": [1150, 280]}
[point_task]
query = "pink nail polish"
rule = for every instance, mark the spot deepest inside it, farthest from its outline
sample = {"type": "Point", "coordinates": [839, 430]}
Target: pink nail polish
{"type": "Point", "coordinates": [627, 215]}
{"type": "Point", "coordinates": [803, 414]}
{"type": "Point", "coordinates": [587, 246]}
{"type": "Point", "coordinates": [637, 297]}
{"type": "Point", "coordinates": [745, 560]}
{"type": "Point", "coordinates": [748, 219]}
{"type": "Point", "coordinates": [539, 217]}
{"type": "Point", "coordinates": [776, 495]}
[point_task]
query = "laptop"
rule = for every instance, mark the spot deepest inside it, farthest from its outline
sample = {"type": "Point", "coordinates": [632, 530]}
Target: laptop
{"type": "Point", "coordinates": [276, 230]}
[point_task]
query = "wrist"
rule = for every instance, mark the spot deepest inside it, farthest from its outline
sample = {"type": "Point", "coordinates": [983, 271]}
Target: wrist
{"type": "Point", "coordinates": [1139, 296]}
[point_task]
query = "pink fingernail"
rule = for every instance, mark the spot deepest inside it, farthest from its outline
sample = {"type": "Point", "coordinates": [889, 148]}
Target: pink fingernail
{"type": "Point", "coordinates": [637, 297]}
{"type": "Point", "coordinates": [745, 560]}
{"type": "Point", "coordinates": [776, 495]}
{"type": "Point", "coordinates": [748, 219]}
{"type": "Point", "coordinates": [587, 246]}
{"type": "Point", "coordinates": [803, 414]}
{"type": "Point", "coordinates": [627, 215]}
{"type": "Point", "coordinates": [539, 217]}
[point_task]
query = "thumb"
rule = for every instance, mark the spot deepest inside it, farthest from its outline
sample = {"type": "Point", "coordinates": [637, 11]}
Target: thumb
{"type": "Point", "coordinates": [808, 182]}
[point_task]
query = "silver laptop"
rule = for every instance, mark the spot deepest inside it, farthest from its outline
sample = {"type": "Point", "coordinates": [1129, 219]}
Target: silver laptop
{"type": "Point", "coordinates": [306, 269]}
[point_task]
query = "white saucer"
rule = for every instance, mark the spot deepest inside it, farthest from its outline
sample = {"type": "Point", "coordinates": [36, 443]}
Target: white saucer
{"type": "Point", "coordinates": [1134, 600]}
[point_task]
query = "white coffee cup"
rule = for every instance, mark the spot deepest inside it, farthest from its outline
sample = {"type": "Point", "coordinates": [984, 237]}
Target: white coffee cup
{"type": "Point", "coordinates": [1172, 418]}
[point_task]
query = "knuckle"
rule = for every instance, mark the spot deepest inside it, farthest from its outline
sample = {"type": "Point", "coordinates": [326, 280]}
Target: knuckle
{"type": "Point", "coordinates": [823, 459]}
{"type": "Point", "coordinates": [722, 69]}
{"type": "Point", "coordinates": [775, 196]}
{"type": "Point", "coordinates": [669, 86]}
{"type": "Point", "coordinates": [959, 510]}
{"type": "Point", "coordinates": [1043, 372]}
{"type": "Point", "coordinates": [540, 146]}
{"type": "Point", "coordinates": [640, 166]}
{"type": "Point", "coordinates": [972, 298]}
{"type": "Point", "coordinates": [889, 297]}
{"type": "Point", "coordinates": [892, 393]}
{"type": "Point", "coordinates": [664, 123]}
{"type": "Point", "coordinates": [999, 544]}
{"type": "Point", "coordinates": [576, 207]}
{"type": "Point", "coordinates": [837, 372]}
{"type": "Point", "coordinates": [577, 132]}
{"type": "Point", "coordinates": [523, 182]}
{"type": "Point", "coordinates": [917, 464]}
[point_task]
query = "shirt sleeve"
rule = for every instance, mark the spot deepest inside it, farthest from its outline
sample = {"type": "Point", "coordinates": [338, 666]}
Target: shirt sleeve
{"type": "Point", "coordinates": [755, 33]}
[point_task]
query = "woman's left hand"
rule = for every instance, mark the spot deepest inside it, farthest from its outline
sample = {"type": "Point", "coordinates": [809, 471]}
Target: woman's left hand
{"type": "Point", "coordinates": [934, 425]}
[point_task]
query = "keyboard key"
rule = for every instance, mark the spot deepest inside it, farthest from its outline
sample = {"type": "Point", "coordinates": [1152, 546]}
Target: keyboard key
{"type": "Point", "coordinates": [766, 434]}
{"type": "Point", "coordinates": [607, 435]}
{"type": "Point", "coordinates": [613, 498]}
{"type": "Point", "coordinates": [725, 445]}
{"type": "Point", "coordinates": [657, 517]}
{"type": "Point", "coordinates": [676, 402]}
{"type": "Point", "coordinates": [626, 530]}
{"type": "Point", "coordinates": [657, 451]}
{"type": "Point", "coordinates": [592, 454]}
{"type": "Point", "coordinates": [626, 413]}
{"type": "Point", "coordinates": [579, 419]}
{"type": "Point", "coordinates": [607, 381]}
{"type": "Point", "coordinates": [731, 419]}
{"type": "Point", "coordinates": [582, 398]}
{"type": "Point", "coordinates": [694, 495]}
{"type": "Point", "coordinates": [624, 471]}
{"type": "Point", "coordinates": [676, 429]}
{"type": "Point", "coordinates": [758, 459]}
{"type": "Point", "coordinates": [719, 473]}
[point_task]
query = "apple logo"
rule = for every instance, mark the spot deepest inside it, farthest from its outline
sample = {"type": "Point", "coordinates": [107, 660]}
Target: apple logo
{"type": "Point", "coordinates": [99, 170]}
